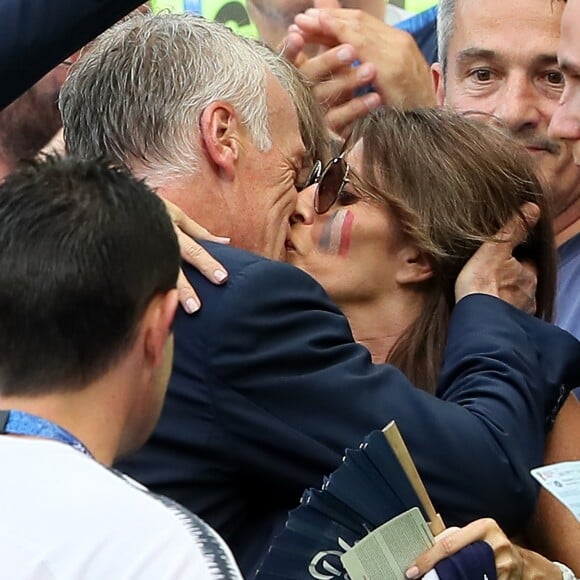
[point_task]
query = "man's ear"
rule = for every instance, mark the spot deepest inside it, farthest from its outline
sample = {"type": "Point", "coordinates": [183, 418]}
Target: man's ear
{"type": "Point", "coordinates": [414, 266]}
{"type": "Point", "coordinates": [438, 83]}
{"type": "Point", "coordinates": [220, 133]}
{"type": "Point", "coordinates": [156, 327]}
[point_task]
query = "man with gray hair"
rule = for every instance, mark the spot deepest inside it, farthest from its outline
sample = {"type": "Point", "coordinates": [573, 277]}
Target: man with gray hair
{"type": "Point", "coordinates": [268, 387]}
{"type": "Point", "coordinates": [163, 139]}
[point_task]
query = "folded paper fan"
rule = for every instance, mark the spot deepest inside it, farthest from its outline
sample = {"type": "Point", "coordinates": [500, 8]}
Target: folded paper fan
{"type": "Point", "coordinates": [374, 484]}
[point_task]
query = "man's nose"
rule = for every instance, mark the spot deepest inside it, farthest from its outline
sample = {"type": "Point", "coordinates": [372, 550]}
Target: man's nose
{"type": "Point", "coordinates": [565, 124]}
{"type": "Point", "coordinates": [519, 105]}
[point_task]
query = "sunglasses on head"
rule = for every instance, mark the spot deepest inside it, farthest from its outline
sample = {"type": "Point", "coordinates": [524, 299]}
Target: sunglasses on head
{"type": "Point", "coordinates": [330, 181]}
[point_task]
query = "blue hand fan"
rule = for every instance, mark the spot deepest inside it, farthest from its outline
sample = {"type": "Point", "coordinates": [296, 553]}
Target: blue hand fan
{"type": "Point", "coordinates": [333, 508]}
{"type": "Point", "coordinates": [371, 486]}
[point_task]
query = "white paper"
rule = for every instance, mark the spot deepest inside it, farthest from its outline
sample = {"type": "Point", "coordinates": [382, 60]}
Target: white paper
{"type": "Point", "coordinates": [563, 481]}
{"type": "Point", "coordinates": [389, 550]}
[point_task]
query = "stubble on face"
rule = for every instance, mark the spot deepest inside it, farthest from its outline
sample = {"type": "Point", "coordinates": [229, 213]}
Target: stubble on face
{"type": "Point", "coordinates": [269, 180]}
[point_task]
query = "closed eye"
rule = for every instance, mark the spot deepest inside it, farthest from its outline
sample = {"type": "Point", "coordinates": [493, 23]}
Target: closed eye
{"type": "Point", "coordinates": [347, 197]}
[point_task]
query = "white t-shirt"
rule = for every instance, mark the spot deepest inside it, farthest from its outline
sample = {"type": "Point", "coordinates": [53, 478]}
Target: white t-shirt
{"type": "Point", "coordinates": [63, 516]}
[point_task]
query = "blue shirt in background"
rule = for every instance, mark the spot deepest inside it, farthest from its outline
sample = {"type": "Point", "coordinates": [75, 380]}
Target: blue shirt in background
{"type": "Point", "coordinates": [568, 291]}
{"type": "Point", "coordinates": [423, 28]}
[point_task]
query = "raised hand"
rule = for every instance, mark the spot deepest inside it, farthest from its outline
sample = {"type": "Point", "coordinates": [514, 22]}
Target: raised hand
{"type": "Point", "coordinates": [403, 77]}
{"type": "Point", "coordinates": [493, 269]}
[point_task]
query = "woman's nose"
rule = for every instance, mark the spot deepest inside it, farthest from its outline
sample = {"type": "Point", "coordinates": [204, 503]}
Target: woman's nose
{"type": "Point", "coordinates": [304, 211]}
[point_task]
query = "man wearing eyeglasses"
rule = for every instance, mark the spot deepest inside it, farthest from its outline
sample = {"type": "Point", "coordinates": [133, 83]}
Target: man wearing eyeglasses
{"type": "Point", "coordinates": [268, 387]}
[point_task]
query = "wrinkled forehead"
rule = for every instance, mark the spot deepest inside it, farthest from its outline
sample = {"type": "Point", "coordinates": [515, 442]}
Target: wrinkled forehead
{"type": "Point", "coordinates": [506, 25]}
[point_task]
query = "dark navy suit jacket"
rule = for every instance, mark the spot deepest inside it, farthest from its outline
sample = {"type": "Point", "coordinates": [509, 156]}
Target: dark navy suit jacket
{"type": "Point", "coordinates": [268, 388]}
{"type": "Point", "coordinates": [36, 35]}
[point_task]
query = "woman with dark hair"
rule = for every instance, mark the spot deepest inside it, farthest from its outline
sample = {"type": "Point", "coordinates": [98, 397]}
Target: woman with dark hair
{"type": "Point", "coordinates": [433, 187]}
{"type": "Point", "coordinates": [387, 229]}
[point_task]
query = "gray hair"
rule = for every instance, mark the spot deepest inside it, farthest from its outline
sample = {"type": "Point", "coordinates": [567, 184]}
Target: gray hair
{"type": "Point", "coordinates": [445, 26]}
{"type": "Point", "coordinates": [313, 128]}
{"type": "Point", "coordinates": [138, 94]}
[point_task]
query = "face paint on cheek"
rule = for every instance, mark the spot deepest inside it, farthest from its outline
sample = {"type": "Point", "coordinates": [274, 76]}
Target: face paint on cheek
{"type": "Point", "coordinates": [335, 237]}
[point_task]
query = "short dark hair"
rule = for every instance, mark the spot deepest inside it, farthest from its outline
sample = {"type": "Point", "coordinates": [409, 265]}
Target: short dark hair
{"type": "Point", "coordinates": [84, 248]}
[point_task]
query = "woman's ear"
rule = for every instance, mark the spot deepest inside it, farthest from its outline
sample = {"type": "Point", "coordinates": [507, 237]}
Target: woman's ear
{"type": "Point", "coordinates": [220, 135]}
{"type": "Point", "coordinates": [414, 266]}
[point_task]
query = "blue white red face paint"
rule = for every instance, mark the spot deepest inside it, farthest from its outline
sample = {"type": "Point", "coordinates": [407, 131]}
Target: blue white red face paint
{"type": "Point", "coordinates": [336, 233]}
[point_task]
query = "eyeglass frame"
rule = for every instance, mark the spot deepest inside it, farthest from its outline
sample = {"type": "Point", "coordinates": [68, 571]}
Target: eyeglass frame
{"type": "Point", "coordinates": [317, 175]}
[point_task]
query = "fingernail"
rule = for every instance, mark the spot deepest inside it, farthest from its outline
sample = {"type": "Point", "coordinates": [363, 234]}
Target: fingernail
{"type": "Point", "coordinates": [533, 212]}
{"type": "Point", "coordinates": [365, 72]}
{"type": "Point", "coordinates": [192, 305]}
{"type": "Point", "coordinates": [305, 19]}
{"type": "Point", "coordinates": [312, 12]}
{"type": "Point", "coordinates": [223, 240]}
{"type": "Point", "coordinates": [372, 101]}
{"type": "Point", "coordinates": [220, 275]}
{"type": "Point", "coordinates": [345, 54]}
{"type": "Point", "coordinates": [412, 573]}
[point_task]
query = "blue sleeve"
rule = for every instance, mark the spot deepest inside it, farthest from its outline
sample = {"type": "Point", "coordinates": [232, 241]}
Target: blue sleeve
{"type": "Point", "coordinates": [476, 560]}
{"type": "Point", "coordinates": [512, 372]}
{"type": "Point", "coordinates": [36, 35]}
{"type": "Point", "coordinates": [423, 28]}
{"type": "Point", "coordinates": [291, 390]}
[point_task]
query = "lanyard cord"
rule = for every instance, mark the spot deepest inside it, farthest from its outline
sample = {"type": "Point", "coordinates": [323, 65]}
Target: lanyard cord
{"type": "Point", "coordinates": [22, 423]}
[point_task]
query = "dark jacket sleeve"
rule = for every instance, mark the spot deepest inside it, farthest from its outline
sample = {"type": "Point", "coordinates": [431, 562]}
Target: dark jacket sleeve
{"type": "Point", "coordinates": [36, 35]}
{"type": "Point", "coordinates": [291, 390]}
